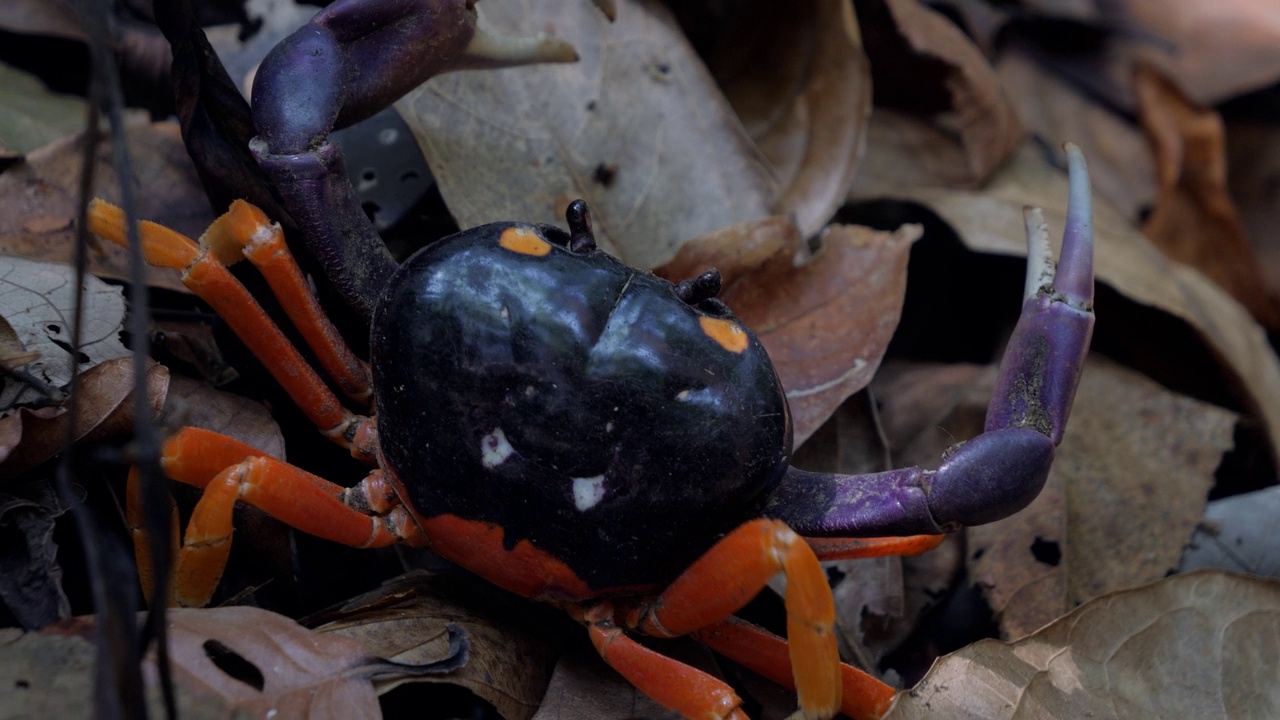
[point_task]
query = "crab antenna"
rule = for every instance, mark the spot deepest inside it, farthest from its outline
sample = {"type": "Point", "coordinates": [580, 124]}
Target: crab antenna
{"type": "Point", "coordinates": [1075, 265]}
{"type": "Point", "coordinates": [581, 236]}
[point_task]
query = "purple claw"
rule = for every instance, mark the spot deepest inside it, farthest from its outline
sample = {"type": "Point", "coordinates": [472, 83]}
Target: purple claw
{"type": "Point", "coordinates": [1002, 470]}
{"type": "Point", "coordinates": [353, 59]}
{"type": "Point", "coordinates": [1044, 358]}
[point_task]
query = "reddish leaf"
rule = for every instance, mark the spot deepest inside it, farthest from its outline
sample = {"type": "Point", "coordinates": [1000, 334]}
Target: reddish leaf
{"type": "Point", "coordinates": [825, 318]}
{"type": "Point", "coordinates": [1195, 220]}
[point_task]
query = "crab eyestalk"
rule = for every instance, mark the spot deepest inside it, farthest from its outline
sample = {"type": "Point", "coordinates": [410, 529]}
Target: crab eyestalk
{"type": "Point", "coordinates": [351, 60]}
{"type": "Point", "coordinates": [1002, 470]}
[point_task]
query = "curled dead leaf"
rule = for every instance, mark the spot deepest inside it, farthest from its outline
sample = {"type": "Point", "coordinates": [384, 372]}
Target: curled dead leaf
{"type": "Point", "coordinates": [636, 127]}
{"type": "Point", "coordinates": [409, 620]}
{"type": "Point", "coordinates": [1194, 220]}
{"type": "Point", "coordinates": [796, 75]}
{"type": "Point", "coordinates": [922, 63]}
{"type": "Point", "coordinates": [1197, 645]}
{"type": "Point", "coordinates": [29, 437]}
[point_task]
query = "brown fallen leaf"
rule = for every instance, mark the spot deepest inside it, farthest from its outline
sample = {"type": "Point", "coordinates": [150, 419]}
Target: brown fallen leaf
{"type": "Point", "coordinates": [1253, 164]}
{"type": "Point", "coordinates": [1212, 51]}
{"type": "Point", "coordinates": [1121, 166]}
{"type": "Point", "coordinates": [38, 199]}
{"type": "Point", "coordinates": [29, 437]}
{"type": "Point", "coordinates": [637, 127]}
{"type": "Point", "coordinates": [825, 317]}
{"type": "Point", "coordinates": [1199, 645]}
{"type": "Point", "coordinates": [195, 403]}
{"type": "Point", "coordinates": [796, 75]}
{"type": "Point", "coordinates": [990, 220]}
{"type": "Point", "coordinates": [1128, 485]}
{"type": "Point", "coordinates": [1194, 220]}
{"type": "Point", "coordinates": [409, 619]}
{"type": "Point", "coordinates": [923, 64]}
{"type": "Point", "coordinates": [30, 575]}
{"type": "Point", "coordinates": [226, 662]}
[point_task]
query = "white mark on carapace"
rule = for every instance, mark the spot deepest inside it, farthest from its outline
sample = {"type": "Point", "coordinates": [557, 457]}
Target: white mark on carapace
{"type": "Point", "coordinates": [504, 313]}
{"type": "Point", "coordinates": [587, 492]}
{"type": "Point", "coordinates": [528, 391]}
{"type": "Point", "coordinates": [682, 395]}
{"type": "Point", "coordinates": [494, 448]}
{"type": "Point", "coordinates": [608, 427]}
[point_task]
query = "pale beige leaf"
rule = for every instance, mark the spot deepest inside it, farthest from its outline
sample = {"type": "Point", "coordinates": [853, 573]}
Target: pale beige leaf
{"type": "Point", "coordinates": [37, 300]}
{"type": "Point", "coordinates": [195, 403]}
{"type": "Point", "coordinates": [1127, 487]}
{"type": "Point", "coordinates": [31, 115]}
{"type": "Point", "coordinates": [1201, 645]}
{"type": "Point", "coordinates": [637, 127]}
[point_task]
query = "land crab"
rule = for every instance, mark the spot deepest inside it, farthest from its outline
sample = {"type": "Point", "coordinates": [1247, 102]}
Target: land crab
{"type": "Point", "coordinates": [566, 427]}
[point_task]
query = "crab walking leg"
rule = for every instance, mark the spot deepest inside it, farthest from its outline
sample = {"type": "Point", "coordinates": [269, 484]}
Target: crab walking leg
{"type": "Point", "coordinates": [229, 470]}
{"type": "Point", "coordinates": [209, 279]}
{"type": "Point", "coordinates": [757, 649]}
{"type": "Point", "coordinates": [669, 682]}
{"type": "Point", "coordinates": [732, 572]}
{"type": "Point", "coordinates": [244, 230]}
{"type": "Point", "coordinates": [857, 548]}
{"type": "Point", "coordinates": [138, 532]}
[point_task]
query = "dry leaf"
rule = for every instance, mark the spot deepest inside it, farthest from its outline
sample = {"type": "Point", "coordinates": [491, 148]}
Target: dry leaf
{"type": "Point", "coordinates": [408, 621]}
{"type": "Point", "coordinates": [1238, 533]}
{"type": "Point", "coordinates": [637, 127]}
{"type": "Point", "coordinates": [31, 115]}
{"type": "Point", "coordinates": [1213, 51]}
{"type": "Point", "coordinates": [1121, 167]}
{"type": "Point", "coordinates": [1128, 484]}
{"type": "Point", "coordinates": [29, 437]}
{"type": "Point", "coordinates": [921, 62]}
{"type": "Point", "coordinates": [1194, 220]}
{"type": "Point", "coordinates": [1253, 166]}
{"type": "Point", "coordinates": [796, 75]}
{"type": "Point", "coordinates": [1201, 645]}
{"type": "Point", "coordinates": [194, 403]}
{"type": "Point", "coordinates": [990, 220]}
{"type": "Point", "coordinates": [825, 318]}
{"type": "Point", "coordinates": [226, 662]}
{"type": "Point", "coordinates": [38, 199]}
{"type": "Point", "coordinates": [30, 576]}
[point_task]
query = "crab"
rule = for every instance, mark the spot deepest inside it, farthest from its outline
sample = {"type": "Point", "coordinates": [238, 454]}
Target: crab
{"type": "Point", "coordinates": [566, 427]}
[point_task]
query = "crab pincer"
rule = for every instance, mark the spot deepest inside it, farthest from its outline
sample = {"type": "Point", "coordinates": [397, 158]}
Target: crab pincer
{"type": "Point", "coordinates": [1002, 470]}
{"type": "Point", "coordinates": [353, 59]}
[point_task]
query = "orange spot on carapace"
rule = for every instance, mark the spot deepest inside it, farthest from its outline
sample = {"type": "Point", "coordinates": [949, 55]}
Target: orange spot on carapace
{"type": "Point", "coordinates": [524, 241]}
{"type": "Point", "coordinates": [727, 333]}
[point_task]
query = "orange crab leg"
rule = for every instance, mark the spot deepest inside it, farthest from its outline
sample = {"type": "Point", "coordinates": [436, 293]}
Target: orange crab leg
{"type": "Point", "coordinates": [671, 683]}
{"type": "Point", "coordinates": [209, 279]}
{"type": "Point", "coordinates": [229, 470]}
{"type": "Point", "coordinates": [734, 571]}
{"type": "Point", "coordinates": [137, 530]}
{"type": "Point", "coordinates": [245, 230]}
{"type": "Point", "coordinates": [757, 649]}
{"type": "Point", "coordinates": [855, 548]}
